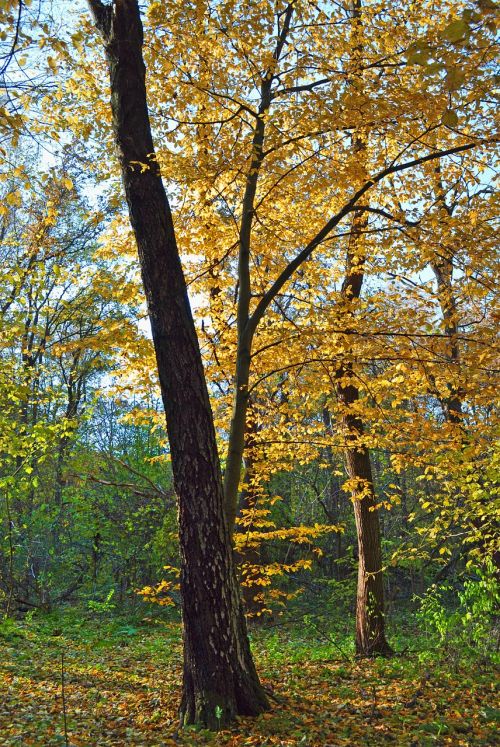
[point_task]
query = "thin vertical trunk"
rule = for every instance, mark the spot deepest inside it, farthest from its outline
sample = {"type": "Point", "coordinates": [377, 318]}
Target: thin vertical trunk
{"type": "Point", "coordinates": [370, 617]}
{"type": "Point", "coordinates": [443, 272]}
{"type": "Point", "coordinates": [370, 620]}
{"type": "Point", "coordinates": [452, 403]}
{"type": "Point", "coordinates": [442, 267]}
{"type": "Point", "coordinates": [236, 443]}
{"type": "Point", "coordinates": [334, 509]}
{"type": "Point", "coordinates": [219, 672]}
{"type": "Point", "coordinates": [248, 555]}
{"type": "Point", "coordinates": [246, 331]}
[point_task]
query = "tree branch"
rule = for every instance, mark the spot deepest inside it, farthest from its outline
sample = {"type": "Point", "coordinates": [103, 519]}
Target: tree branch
{"type": "Point", "coordinates": [301, 257]}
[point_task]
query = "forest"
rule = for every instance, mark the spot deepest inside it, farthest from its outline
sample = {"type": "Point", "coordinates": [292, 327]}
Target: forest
{"type": "Point", "coordinates": [248, 373]}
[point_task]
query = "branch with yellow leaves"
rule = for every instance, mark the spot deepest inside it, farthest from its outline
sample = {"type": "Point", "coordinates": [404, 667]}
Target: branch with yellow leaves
{"type": "Point", "coordinates": [348, 208]}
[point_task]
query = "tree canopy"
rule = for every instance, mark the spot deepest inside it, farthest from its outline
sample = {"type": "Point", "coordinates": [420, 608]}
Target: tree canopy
{"type": "Point", "coordinates": [248, 322]}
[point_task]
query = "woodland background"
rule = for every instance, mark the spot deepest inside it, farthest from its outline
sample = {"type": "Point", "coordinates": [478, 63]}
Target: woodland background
{"type": "Point", "coordinates": [382, 343]}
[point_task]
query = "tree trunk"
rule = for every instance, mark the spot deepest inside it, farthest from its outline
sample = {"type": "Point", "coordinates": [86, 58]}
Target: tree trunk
{"type": "Point", "coordinates": [442, 268]}
{"type": "Point", "coordinates": [452, 404]}
{"type": "Point", "coordinates": [370, 613]}
{"type": "Point", "coordinates": [248, 555]}
{"type": "Point", "coordinates": [246, 330]}
{"type": "Point", "coordinates": [370, 619]}
{"type": "Point", "coordinates": [333, 510]}
{"type": "Point", "coordinates": [220, 680]}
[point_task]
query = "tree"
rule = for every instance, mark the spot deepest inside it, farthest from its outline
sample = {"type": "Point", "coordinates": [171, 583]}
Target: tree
{"type": "Point", "coordinates": [59, 307]}
{"type": "Point", "coordinates": [258, 142]}
{"type": "Point", "coordinates": [220, 679]}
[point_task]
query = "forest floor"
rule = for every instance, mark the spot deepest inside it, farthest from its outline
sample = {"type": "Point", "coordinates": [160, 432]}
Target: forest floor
{"type": "Point", "coordinates": [122, 680]}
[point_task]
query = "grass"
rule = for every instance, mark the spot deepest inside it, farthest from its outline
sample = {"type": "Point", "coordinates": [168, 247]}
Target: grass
{"type": "Point", "coordinates": [123, 678]}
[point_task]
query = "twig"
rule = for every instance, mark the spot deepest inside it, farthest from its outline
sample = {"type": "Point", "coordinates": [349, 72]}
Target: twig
{"type": "Point", "coordinates": [66, 742]}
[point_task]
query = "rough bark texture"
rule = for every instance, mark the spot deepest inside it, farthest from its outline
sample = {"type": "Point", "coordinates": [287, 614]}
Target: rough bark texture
{"type": "Point", "coordinates": [219, 672]}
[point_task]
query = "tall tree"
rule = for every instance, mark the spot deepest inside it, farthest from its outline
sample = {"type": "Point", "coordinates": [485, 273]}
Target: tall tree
{"type": "Point", "coordinates": [370, 622]}
{"type": "Point", "coordinates": [219, 672]}
{"type": "Point", "coordinates": [261, 140]}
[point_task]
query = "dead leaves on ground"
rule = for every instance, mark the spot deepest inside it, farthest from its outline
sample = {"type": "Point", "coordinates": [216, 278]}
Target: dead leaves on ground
{"type": "Point", "coordinates": [125, 690]}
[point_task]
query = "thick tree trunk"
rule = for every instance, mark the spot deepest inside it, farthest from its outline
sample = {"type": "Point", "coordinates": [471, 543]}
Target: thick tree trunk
{"type": "Point", "coordinates": [219, 672]}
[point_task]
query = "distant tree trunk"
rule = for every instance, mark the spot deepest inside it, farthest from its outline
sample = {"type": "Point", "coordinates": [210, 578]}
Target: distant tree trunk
{"type": "Point", "coordinates": [370, 619]}
{"type": "Point", "coordinates": [219, 672]}
{"type": "Point", "coordinates": [333, 510]}
{"type": "Point", "coordinates": [442, 268]}
{"type": "Point", "coordinates": [452, 404]}
{"type": "Point", "coordinates": [370, 612]}
{"type": "Point", "coordinates": [249, 555]}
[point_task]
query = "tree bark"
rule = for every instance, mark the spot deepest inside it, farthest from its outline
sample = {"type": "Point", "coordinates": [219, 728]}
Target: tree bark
{"type": "Point", "coordinates": [220, 680]}
{"type": "Point", "coordinates": [370, 612]}
{"type": "Point", "coordinates": [452, 404]}
{"type": "Point", "coordinates": [370, 618]}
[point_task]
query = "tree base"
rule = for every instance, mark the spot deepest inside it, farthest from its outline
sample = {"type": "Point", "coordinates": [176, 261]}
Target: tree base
{"type": "Point", "coordinates": [213, 709]}
{"type": "Point", "coordinates": [379, 648]}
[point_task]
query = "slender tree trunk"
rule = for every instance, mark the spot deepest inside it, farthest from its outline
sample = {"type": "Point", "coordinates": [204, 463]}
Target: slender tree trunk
{"type": "Point", "coordinates": [219, 672]}
{"type": "Point", "coordinates": [370, 620]}
{"type": "Point", "coordinates": [236, 443]}
{"type": "Point", "coordinates": [370, 617]}
{"type": "Point", "coordinates": [246, 329]}
{"type": "Point", "coordinates": [333, 511]}
{"type": "Point", "coordinates": [442, 268]}
{"type": "Point", "coordinates": [452, 404]}
{"type": "Point", "coordinates": [248, 556]}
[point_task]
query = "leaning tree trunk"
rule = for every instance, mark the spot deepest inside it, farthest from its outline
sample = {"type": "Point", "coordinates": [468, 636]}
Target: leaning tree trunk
{"type": "Point", "coordinates": [220, 680]}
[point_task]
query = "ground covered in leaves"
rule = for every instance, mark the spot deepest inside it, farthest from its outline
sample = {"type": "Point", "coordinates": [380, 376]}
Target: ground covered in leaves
{"type": "Point", "coordinates": [122, 686]}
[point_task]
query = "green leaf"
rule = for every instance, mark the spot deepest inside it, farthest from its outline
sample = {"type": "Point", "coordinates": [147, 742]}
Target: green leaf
{"type": "Point", "coordinates": [419, 53]}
